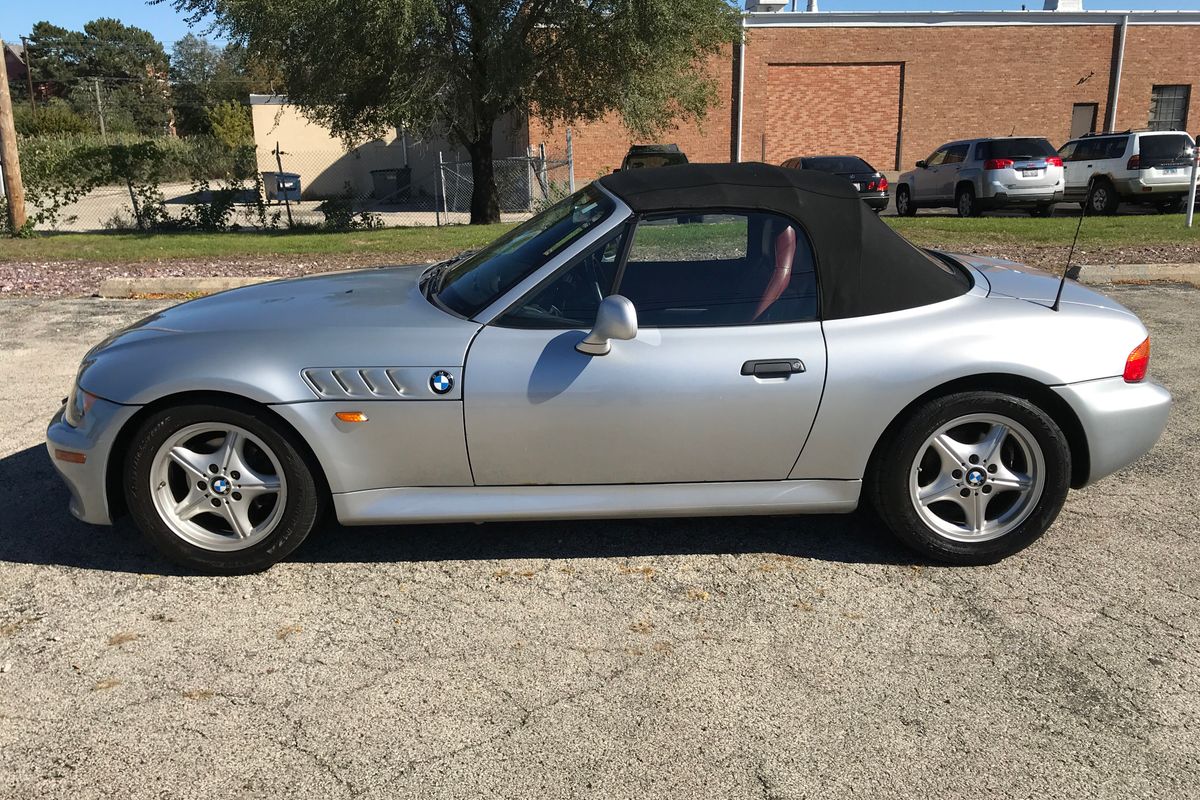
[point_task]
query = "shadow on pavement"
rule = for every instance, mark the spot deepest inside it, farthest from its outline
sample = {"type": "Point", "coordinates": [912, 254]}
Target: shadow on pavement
{"type": "Point", "coordinates": [40, 530]}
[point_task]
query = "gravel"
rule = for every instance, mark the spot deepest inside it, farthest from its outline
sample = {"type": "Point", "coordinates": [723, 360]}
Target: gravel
{"type": "Point", "coordinates": [779, 658]}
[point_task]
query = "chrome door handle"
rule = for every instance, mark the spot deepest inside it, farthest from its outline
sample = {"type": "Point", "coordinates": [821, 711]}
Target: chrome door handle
{"type": "Point", "coordinates": [773, 368]}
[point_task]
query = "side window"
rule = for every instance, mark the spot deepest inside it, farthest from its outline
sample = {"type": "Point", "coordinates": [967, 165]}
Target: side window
{"type": "Point", "coordinates": [1068, 150]}
{"type": "Point", "coordinates": [935, 160]}
{"type": "Point", "coordinates": [1116, 147]}
{"type": "Point", "coordinates": [572, 296]}
{"type": "Point", "coordinates": [956, 154]}
{"type": "Point", "coordinates": [719, 269]}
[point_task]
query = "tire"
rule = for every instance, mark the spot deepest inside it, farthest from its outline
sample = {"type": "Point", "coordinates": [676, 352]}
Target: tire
{"type": "Point", "coordinates": [905, 207]}
{"type": "Point", "coordinates": [1104, 199]}
{"type": "Point", "coordinates": [256, 507]}
{"type": "Point", "coordinates": [911, 466]}
{"type": "Point", "coordinates": [1176, 205]}
{"type": "Point", "coordinates": [1042, 210]}
{"type": "Point", "coordinates": [964, 201]}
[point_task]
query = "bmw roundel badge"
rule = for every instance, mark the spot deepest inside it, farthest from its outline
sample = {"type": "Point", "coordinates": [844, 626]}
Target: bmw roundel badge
{"type": "Point", "coordinates": [441, 381]}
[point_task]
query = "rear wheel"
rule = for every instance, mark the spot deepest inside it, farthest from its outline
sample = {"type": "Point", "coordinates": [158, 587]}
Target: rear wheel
{"type": "Point", "coordinates": [904, 203]}
{"type": "Point", "coordinates": [1173, 206]}
{"type": "Point", "coordinates": [972, 477]}
{"type": "Point", "coordinates": [218, 489]}
{"type": "Point", "coordinates": [1104, 199]}
{"type": "Point", "coordinates": [966, 203]}
{"type": "Point", "coordinates": [1042, 210]}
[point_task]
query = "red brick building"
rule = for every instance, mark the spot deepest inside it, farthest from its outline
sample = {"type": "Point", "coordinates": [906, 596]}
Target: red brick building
{"type": "Point", "coordinates": [892, 86]}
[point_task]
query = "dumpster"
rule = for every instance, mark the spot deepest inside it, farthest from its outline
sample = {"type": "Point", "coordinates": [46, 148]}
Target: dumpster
{"type": "Point", "coordinates": [390, 186]}
{"type": "Point", "coordinates": [281, 186]}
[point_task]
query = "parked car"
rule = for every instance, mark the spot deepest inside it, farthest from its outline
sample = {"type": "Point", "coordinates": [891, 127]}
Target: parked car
{"type": "Point", "coordinates": [699, 340]}
{"type": "Point", "coordinates": [643, 156]}
{"type": "Point", "coordinates": [1146, 167]}
{"type": "Point", "coordinates": [975, 175]}
{"type": "Point", "coordinates": [870, 183]}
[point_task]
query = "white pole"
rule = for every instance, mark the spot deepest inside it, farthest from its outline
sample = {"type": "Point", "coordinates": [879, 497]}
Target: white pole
{"type": "Point", "coordinates": [1191, 201]}
{"type": "Point", "coordinates": [741, 99]}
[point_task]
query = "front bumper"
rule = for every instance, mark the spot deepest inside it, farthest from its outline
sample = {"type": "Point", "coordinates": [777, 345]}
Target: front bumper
{"type": "Point", "coordinates": [93, 439]}
{"type": "Point", "coordinates": [1122, 420]}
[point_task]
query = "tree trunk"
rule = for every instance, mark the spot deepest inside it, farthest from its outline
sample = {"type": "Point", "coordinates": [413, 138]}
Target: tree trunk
{"type": "Point", "coordinates": [485, 200]}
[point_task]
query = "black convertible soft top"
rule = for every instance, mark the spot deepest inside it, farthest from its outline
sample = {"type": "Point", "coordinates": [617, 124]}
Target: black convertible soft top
{"type": "Point", "coordinates": [864, 267]}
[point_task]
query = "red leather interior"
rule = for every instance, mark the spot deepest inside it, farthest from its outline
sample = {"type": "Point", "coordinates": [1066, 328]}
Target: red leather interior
{"type": "Point", "coordinates": [785, 254]}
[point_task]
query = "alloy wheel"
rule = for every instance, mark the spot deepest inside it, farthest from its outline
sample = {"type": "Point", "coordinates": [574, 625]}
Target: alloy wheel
{"type": "Point", "coordinates": [977, 478]}
{"type": "Point", "coordinates": [218, 486]}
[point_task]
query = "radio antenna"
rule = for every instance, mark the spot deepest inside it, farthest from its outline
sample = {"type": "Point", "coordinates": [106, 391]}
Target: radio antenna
{"type": "Point", "coordinates": [1068, 271]}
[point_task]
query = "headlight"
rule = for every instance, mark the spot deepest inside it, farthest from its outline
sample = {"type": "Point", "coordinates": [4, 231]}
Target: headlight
{"type": "Point", "coordinates": [78, 404]}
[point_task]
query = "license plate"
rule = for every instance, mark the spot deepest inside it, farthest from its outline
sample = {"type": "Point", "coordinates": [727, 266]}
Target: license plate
{"type": "Point", "coordinates": [1170, 171]}
{"type": "Point", "coordinates": [1030, 173]}
{"type": "Point", "coordinates": [858, 187]}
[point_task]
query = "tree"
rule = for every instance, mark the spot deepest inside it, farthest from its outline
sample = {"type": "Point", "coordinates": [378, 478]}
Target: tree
{"type": "Point", "coordinates": [230, 123]}
{"type": "Point", "coordinates": [127, 64]}
{"type": "Point", "coordinates": [459, 66]}
{"type": "Point", "coordinates": [205, 76]}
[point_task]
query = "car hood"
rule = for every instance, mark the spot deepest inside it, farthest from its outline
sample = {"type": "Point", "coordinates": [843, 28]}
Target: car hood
{"type": "Point", "coordinates": [1020, 282]}
{"type": "Point", "coordinates": [256, 340]}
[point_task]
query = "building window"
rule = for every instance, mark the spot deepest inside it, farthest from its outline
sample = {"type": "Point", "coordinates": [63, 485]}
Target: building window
{"type": "Point", "coordinates": [1169, 107]}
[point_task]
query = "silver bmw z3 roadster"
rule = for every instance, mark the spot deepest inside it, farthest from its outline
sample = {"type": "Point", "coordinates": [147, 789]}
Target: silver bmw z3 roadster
{"type": "Point", "coordinates": [694, 340]}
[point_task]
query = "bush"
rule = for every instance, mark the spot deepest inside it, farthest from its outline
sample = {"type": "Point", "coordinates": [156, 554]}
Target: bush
{"type": "Point", "coordinates": [53, 119]}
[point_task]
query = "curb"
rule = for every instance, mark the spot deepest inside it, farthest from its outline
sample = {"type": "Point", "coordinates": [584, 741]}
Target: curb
{"type": "Point", "coordinates": [1139, 273]}
{"type": "Point", "coordinates": [126, 288]}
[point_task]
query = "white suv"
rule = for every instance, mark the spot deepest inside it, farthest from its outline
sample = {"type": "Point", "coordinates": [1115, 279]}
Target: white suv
{"type": "Point", "coordinates": [1148, 167]}
{"type": "Point", "coordinates": [974, 175]}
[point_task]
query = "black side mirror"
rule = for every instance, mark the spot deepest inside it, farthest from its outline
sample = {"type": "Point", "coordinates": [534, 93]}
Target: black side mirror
{"type": "Point", "coordinates": [921, 164]}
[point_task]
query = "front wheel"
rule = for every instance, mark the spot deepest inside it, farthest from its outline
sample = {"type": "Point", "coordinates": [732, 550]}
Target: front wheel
{"type": "Point", "coordinates": [972, 478]}
{"type": "Point", "coordinates": [220, 489]}
{"type": "Point", "coordinates": [1176, 205]}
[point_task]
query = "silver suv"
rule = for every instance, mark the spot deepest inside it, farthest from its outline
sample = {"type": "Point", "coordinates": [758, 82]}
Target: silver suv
{"type": "Point", "coordinates": [1147, 167]}
{"type": "Point", "coordinates": [975, 175]}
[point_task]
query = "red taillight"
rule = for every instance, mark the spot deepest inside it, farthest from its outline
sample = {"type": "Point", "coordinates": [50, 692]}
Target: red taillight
{"type": "Point", "coordinates": [1135, 162]}
{"type": "Point", "coordinates": [1138, 362]}
{"type": "Point", "coordinates": [1054, 161]}
{"type": "Point", "coordinates": [998, 163]}
{"type": "Point", "coordinates": [883, 184]}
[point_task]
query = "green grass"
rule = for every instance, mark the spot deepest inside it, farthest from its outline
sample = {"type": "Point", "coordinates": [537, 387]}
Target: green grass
{"type": "Point", "coordinates": [423, 243]}
{"type": "Point", "coordinates": [1131, 231]}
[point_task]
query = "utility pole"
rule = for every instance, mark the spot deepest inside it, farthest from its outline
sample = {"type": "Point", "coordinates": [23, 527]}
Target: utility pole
{"type": "Point", "coordinates": [100, 110]}
{"type": "Point", "coordinates": [10, 164]}
{"type": "Point", "coordinates": [29, 74]}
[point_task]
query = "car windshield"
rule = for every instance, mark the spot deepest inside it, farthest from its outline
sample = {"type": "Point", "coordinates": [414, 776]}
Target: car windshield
{"type": "Point", "coordinates": [836, 164]}
{"type": "Point", "coordinates": [1016, 148]}
{"type": "Point", "coordinates": [471, 285]}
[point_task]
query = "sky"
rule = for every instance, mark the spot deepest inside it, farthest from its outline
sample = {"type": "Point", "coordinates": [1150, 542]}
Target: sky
{"type": "Point", "coordinates": [18, 16]}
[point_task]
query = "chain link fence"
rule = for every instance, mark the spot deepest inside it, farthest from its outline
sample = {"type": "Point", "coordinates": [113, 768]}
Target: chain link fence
{"type": "Point", "coordinates": [81, 184]}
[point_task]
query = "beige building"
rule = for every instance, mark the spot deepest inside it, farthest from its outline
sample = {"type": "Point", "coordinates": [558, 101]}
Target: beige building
{"type": "Point", "coordinates": [328, 167]}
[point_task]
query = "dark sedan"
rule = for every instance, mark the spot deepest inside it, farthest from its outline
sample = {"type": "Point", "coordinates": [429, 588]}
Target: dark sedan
{"type": "Point", "coordinates": [872, 186]}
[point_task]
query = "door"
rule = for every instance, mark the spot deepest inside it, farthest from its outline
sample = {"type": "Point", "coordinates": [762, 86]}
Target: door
{"type": "Point", "coordinates": [927, 181]}
{"type": "Point", "coordinates": [721, 382]}
{"type": "Point", "coordinates": [948, 171]}
{"type": "Point", "coordinates": [1083, 119]}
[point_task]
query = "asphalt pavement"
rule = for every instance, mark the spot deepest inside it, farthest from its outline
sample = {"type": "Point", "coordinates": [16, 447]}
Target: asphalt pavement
{"type": "Point", "coordinates": [806, 657]}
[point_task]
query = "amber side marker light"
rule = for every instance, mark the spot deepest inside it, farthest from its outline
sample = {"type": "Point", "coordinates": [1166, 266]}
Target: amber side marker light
{"type": "Point", "coordinates": [1138, 362]}
{"type": "Point", "coordinates": [351, 416]}
{"type": "Point", "coordinates": [67, 455]}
